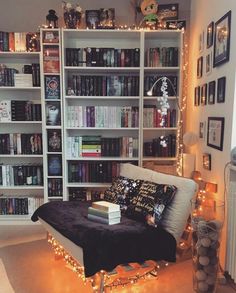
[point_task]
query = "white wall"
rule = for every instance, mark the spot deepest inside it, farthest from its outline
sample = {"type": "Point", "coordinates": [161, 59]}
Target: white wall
{"type": "Point", "coordinates": [202, 13]}
{"type": "Point", "coordinates": [27, 15]}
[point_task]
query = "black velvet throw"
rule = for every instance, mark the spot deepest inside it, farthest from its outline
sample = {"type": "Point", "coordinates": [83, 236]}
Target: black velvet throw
{"type": "Point", "coordinates": [106, 246]}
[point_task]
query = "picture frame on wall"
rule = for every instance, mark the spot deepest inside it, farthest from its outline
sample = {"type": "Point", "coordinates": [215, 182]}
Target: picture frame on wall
{"type": "Point", "coordinates": [199, 67]}
{"type": "Point", "coordinates": [222, 40]}
{"type": "Point", "coordinates": [211, 92]}
{"type": "Point", "coordinates": [201, 42]}
{"type": "Point", "coordinates": [210, 34]}
{"type": "Point", "coordinates": [204, 94]}
{"type": "Point", "coordinates": [221, 85]}
{"type": "Point", "coordinates": [209, 63]}
{"type": "Point", "coordinates": [206, 161]}
{"type": "Point", "coordinates": [215, 132]}
{"type": "Point", "coordinates": [197, 96]}
{"type": "Point", "coordinates": [202, 130]}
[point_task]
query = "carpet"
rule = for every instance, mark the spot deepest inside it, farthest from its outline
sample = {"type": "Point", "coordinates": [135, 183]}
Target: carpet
{"type": "Point", "coordinates": [31, 268]}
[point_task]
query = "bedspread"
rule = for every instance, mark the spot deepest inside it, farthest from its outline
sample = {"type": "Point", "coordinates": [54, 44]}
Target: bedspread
{"type": "Point", "coordinates": [106, 246]}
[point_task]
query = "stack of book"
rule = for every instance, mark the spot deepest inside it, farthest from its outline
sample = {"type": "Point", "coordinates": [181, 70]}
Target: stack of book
{"type": "Point", "coordinates": [104, 212]}
{"type": "Point", "coordinates": [23, 80]}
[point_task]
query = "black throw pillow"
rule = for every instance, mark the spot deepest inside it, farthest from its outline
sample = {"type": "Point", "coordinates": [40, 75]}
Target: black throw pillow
{"type": "Point", "coordinates": [122, 191]}
{"type": "Point", "coordinates": [148, 206]}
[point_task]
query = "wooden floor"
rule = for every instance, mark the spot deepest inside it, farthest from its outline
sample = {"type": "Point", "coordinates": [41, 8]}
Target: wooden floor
{"type": "Point", "coordinates": [31, 268]}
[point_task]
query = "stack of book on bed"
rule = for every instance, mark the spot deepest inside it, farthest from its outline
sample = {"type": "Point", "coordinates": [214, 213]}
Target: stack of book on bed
{"type": "Point", "coordinates": [104, 212]}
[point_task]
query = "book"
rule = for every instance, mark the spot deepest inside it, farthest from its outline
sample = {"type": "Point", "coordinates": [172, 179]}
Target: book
{"type": "Point", "coordinates": [106, 206]}
{"type": "Point", "coordinates": [52, 87]}
{"type": "Point", "coordinates": [54, 165]}
{"type": "Point", "coordinates": [51, 59]}
{"type": "Point", "coordinates": [53, 113]}
{"type": "Point", "coordinates": [5, 110]}
{"type": "Point", "coordinates": [50, 36]}
{"type": "Point", "coordinates": [104, 214]}
{"type": "Point", "coordinates": [106, 18]}
{"type": "Point", "coordinates": [102, 220]}
{"type": "Point", "coordinates": [54, 140]}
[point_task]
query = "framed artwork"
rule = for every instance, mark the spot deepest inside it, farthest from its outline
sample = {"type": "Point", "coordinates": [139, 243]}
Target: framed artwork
{"type": "Point", "coordinates": [221, 84]}
{"type": "Point", "coordinates": [168, 11]}
{"type": "Point", "coordinates": [210, 34]}
{"type": "Point", "coordinates": [199, 67]}
{"type": "Point", "coordinates": [201, 41]}
{"type": "Point", "coordinates": [215, 132]}
{"type": "Point", "coordinates": [204, 94]}
{"type": "Point", "coordinates": [197, 96]}
{"type": "Point", "coordinates": [211, 92]}
{"type": "Point", "coordinates": [209, 63]}
{"type": "Point", "coordinates": [202, 130]}
{"type": "Point", "coordinates": [222, 40]}
{"type": "Point", "coordinates": [206, 161]}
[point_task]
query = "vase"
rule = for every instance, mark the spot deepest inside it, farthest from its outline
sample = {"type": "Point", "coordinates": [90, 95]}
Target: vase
{"type": "Point", "coordinates": [207, 218]}
{"type": "Point", "coordinates": [72, 19]}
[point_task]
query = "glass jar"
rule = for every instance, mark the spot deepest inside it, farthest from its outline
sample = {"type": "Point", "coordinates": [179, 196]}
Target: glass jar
{"type": "Point", "coordinates": [207, 218]}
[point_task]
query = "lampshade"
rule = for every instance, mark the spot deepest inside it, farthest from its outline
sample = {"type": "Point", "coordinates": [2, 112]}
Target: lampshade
{"type": "Point", "coordinates": [190, 139]}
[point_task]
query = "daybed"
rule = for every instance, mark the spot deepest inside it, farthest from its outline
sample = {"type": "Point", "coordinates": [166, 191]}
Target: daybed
{"type": "Point", "coordinates": [103, 247]}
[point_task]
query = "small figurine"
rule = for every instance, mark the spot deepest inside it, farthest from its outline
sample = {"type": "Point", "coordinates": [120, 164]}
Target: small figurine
{"type": "Point", "coordinates": [149, 10]}
{"type": "Point", "coordinates": [52, 19]}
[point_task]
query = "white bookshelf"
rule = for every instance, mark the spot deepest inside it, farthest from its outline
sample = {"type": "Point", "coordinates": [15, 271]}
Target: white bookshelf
{"type": "Point", "coordinates": [17, 60]}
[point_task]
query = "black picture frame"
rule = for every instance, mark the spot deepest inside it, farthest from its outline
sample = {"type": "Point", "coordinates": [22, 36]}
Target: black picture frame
{"type": "Point", "coordinates": [221, 86]}
{"type": "Point", "coordinates": [197, 92]}
{"type": "Point", "coordinates": [210, 34]}
{"type": "Point", "coordinates": [208, 64]}
{"type": "Point", "coordinates": [202, 129]}
{"type": "Point", "coordinates": [204, 94]}
{"type": "Point", "coordinates": [211, 92]}
{"type": "Point", "coordinates": [206, 161]}
{"type": "Point", "coordinates": [215, 132]}
{"type": "Point", "coordinates": [199, 67]}
{"type": "Point", "coordinates": [222, 40]}
{"type": "Point", "coordinates": [168, 11]}
{"type": "Point", "coordinates": [92, 18]}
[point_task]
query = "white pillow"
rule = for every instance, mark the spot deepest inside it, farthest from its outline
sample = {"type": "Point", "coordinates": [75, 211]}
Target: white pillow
{"type": "Point", "coordinates": [176, 214]}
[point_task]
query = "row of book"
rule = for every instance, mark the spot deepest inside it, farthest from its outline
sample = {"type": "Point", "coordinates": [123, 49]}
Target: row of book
{"type": "Point", "coordinates": [104, 212]}
{"type": "Point", "coordinates": [103, 57]}
{"type": "Point", "coordinates": [21, 143]}
{"type": "Point", "coordinates": [162, 57]}
{"type": "Point", "coordinates": [84, 194]}
{"type": "Point", "coordinates": [172, 89]}
{"type": "Point", "coordinates": [113, 85]}
{"type": "Point", "coordinates": [19, 42]}
{"type": "Point", "coordinates": [13, 110]}
{"type": "Point", "coordinates": [12, 77]}
{"type": "Point", "coordinates": [55, 187]}
{"type": "Point", "coordinates": [96, 146]}
{"type": "Point", "coordinates": [90, 171]}
{"type": "Point", "coordinates": [164, 146]}
{"type": "Point", "coordinates": [103, 116]}
{"type": "Point", "coordinates": [153, 118]}
{"type": "Point", "coordinates": [12, 175]}
{"type": "Point", "coordinates": [21, 205]}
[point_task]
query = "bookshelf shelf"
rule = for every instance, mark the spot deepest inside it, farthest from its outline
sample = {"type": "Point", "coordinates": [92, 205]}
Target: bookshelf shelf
{"type": "Point", "coordinates": [22, 187]}
{"type": "Point", "coordinates": [101, 69]}
{"type": "Point", "coordinates": [21, 156]}
{"type": "Point", "coordinates": [161, 69]}
{"type": "Point", "coordinates": [101, 128]}
{"type": "Point", "coordinates": [88, 184]}
{"type": "Point", "coordinates": [102, 98]}
{"type": "Point", "coordinates": [21, 122]}
{"type": "Point", "coordinates": [160, 128]}
{"type": "Point", "coordinates": [14, 88]}
{"type": "Point", "coordinates": [102, 159]}
{"type": "Point", "coordinates": [159, 159]}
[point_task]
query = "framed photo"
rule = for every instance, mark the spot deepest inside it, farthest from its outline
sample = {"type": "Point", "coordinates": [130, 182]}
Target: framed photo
{"type": "Point", "coordinates": [209, 63]}
{"type": "Point", "coordinates": [221, 84]}
{"type": "Point", "coordinates": [197, 92]}
{"type": "Point", "coordinates": [204, 94]}
{"type": "Point", "coordinates": [202, 130]}
{"type": "Point", "coordinates": [176, 24]}
{"type": "Point", "coordinates": [215, 132]}
{"type": "Point", "coordinates": [206, 161]}
{"type": "Point", "coordinates": [201, 42]}
{"type": "Point", "coordinates": [210, 34]}
{"type": "Point", "coordinates": [92, 18]}
{"type": "Point", "coordinates": [222, 40]}
{"type": "Point", "coordinates": [199, 67]}
{"type": "Point", "coordinates": [211, 92]}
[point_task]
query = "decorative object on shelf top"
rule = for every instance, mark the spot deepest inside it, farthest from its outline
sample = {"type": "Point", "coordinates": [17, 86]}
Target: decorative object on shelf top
{"type": "Point", "coordinates": [72, 15]}
{"type": "Point", "coordinates": [149, 10]}
{"type": "Point", "coordinates": [52, 19]}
